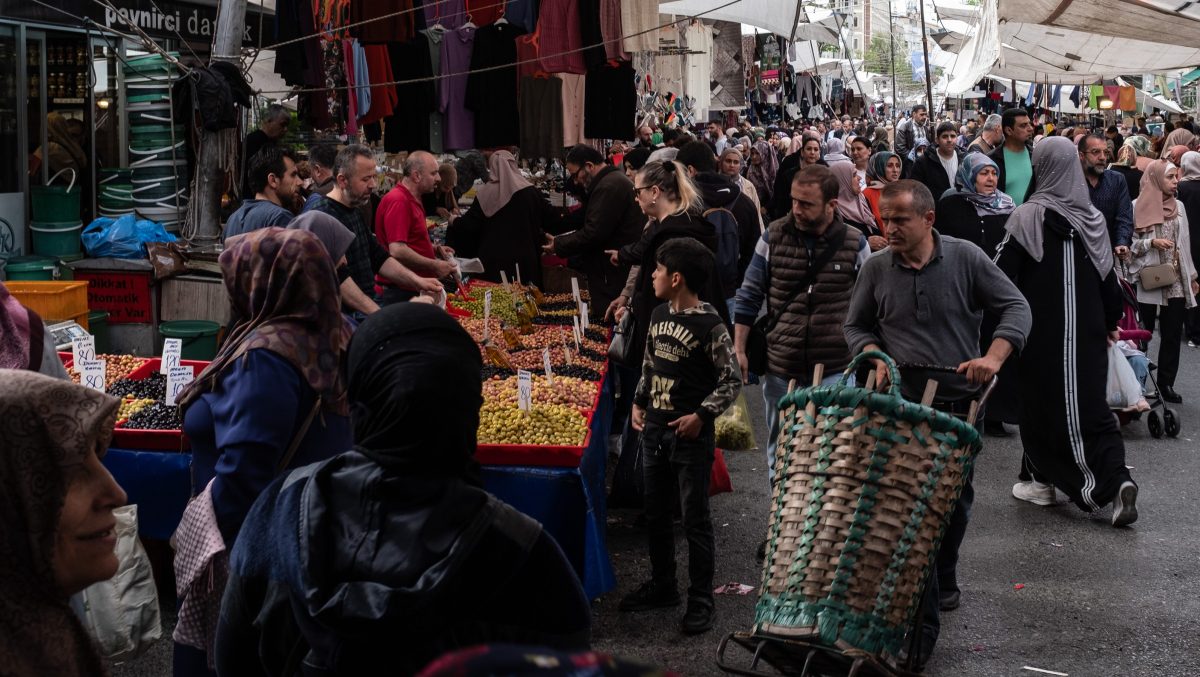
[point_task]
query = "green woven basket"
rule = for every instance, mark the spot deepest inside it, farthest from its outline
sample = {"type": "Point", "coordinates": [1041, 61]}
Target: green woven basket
{"type": "Point", "coordinates": [865, 483]}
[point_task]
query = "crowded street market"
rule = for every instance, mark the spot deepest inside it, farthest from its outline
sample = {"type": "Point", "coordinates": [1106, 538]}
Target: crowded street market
{"type": "Point", "coordinates": [598, 337]}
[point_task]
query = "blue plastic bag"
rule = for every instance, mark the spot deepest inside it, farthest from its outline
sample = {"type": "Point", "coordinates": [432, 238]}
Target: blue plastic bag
{"type": "Point", "coordinates": [123, 238]}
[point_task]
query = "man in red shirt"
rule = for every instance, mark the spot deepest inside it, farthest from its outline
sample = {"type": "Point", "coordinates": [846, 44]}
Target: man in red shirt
{"type": "Point", "coordinates": [400, 227]}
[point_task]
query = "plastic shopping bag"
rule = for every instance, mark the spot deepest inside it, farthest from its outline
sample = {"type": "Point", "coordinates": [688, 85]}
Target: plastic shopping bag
{"type": "Point", "coordinates": [734, 430]}
{"type": "Point", "coordinates": [1123, 388]}
{"type": "Point", "coordinates": [123, 238]}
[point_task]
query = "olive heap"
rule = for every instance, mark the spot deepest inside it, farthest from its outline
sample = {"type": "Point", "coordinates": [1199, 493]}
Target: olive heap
{"type": "Point", "coordinates": [156, 416]}
{"type": "Point", "coordinates": [571, 392]}
{"type": "Point", "coordinates": [153, 387]}
{"type": "Point", "coordinates": [543, 424]}
{"type": "Point", "coordinates": [116, 368]}
{"type": "Point", "coordinates": [131, 406]}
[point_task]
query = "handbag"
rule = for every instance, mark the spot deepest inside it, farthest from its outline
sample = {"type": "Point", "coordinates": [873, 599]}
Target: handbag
{"type": "Point", "coordinates": [756, 340]}
{"type": "Point", "coordinates": [1160, 275]}
{"type": "Point", "coordinates": [621, 347]}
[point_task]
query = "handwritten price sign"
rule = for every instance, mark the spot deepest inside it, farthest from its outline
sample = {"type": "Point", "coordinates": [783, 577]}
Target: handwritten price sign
{"type": "Point", "coordinates": [177, 380]}
{"type": "Point", "coordinates": [172, 351]}
{"type": "Point", "coordinates": [91, 373]}
{"type": "Point", "coordinates": [83, 349]}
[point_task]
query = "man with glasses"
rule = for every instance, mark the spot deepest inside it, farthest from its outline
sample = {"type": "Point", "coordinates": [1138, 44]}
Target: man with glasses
{"type": "Point", "coordinates": [611, 220]}
{"type": "Point", "coordinates": [1109, 193]}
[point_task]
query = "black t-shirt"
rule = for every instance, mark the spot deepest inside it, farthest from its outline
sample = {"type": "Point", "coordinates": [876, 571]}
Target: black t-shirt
{"type": "Point", "coordinates": [683, 373]}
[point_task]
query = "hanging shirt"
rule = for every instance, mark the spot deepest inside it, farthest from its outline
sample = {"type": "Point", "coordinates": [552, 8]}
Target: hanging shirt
{"type": "Point", "coordinates": [362, 79]}
{"type": "Point", "coordinates": [449, 14]}
{"type": "Point", "coordinates": [638, 16]}
{"type": "Point", "coordinates": [437, 121]}
{"type": "Point", "coordinates": [398, 26]}
{"type": "Point", "coordinates": [558, 26]}
{"type": "Point", "coordinates": [383, 92]}
{"type": "Point", "coordinates": [572, 108]}
{"type": "Point", "coordinates": [456, 59]}
{"type": "Point", "coordinates": [698, 67]}
{"type": "Point", "coordinates": [1018, 174]}
{"type": "Point", "coordinates": [492, 94]}
{"type": "Point", "coordinates": [523, 13]}
{"type": "Point", "coordinates": [408, 128]}
{"type": "Point", "coordinates": [611, 30]}
{"type": "Point", "coordinates": [484, 12]}
{"type": "Point", "coordinates": [609, 102]}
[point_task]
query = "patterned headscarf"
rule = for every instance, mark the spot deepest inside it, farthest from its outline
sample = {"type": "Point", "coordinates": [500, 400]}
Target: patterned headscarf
{"type": "Point", "coordinates": [877, 168]}
{"type": "Point", "coordinates": [1141, 149]}
{"type": "Point", "coordinates": [16, 323]}
{"type": "Point", "coordinates": [763, 175]}
{"type": "Point", "coordinates": [47, 426]}
{"type": "Point", "coordinates": [1154, 205]}
{"type": "Point", "coordinates": [284, 297]}
{"type": "Point", "coordinates": [996, 202]}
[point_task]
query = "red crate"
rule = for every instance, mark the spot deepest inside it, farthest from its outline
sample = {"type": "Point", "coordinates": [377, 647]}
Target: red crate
{"type": "Point", "coordinates": [156, 440]}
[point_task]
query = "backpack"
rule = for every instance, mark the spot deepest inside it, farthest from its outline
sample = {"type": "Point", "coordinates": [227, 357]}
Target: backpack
{"type": "Point", "coordinates": [728, 245]}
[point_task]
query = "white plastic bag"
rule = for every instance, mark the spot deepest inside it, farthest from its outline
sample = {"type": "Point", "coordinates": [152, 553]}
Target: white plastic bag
{"type": "Point", "coordinates": [1123, 388]}
{"type": "Point", "coordinates": [122, 613]}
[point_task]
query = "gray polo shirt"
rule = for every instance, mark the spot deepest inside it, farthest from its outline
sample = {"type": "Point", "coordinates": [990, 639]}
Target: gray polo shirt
{"type": "Point", "coordinates": [932, 315]}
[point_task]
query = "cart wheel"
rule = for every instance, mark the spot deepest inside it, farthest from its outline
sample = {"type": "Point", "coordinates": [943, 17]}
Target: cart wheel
{"type": "Point", "coordinates": [1171, 422]}
{"type": "Point", "coordinates": [1154, 423]}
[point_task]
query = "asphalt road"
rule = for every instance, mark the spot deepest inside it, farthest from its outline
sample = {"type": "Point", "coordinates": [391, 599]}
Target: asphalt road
{"type": "Point", "coordinates": [1095, 601]}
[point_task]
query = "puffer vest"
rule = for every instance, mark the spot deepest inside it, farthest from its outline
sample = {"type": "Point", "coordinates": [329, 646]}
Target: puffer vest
{"type": "Point", "coordinates": [810, 328]}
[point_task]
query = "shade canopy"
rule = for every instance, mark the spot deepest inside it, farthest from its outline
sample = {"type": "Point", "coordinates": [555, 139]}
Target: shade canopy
{"type": "Point", "coordinates": [775, 16]}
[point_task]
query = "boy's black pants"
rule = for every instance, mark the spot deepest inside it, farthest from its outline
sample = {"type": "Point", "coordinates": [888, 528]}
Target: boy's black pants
{"type": "Point", "coordinates": [671, 464]}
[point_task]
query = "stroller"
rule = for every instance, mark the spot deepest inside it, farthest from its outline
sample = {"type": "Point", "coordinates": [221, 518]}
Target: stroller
{"type": "Point", "coordinates": [1131, 329]}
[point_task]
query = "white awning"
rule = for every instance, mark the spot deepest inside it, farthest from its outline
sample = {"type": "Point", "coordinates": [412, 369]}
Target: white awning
{"type": "Point", "coordinates": [775, 16]}
{"type": "Point", "coordinates": [1153, 21]}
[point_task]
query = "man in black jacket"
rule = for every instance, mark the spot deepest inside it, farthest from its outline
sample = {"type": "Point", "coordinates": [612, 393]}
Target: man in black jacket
{"type": "Point", "coordinates": [939, 165]}
{"type": "Point", "coordinates": [721, 192]}
{"type": "Point", "coordinates": [611, 220]}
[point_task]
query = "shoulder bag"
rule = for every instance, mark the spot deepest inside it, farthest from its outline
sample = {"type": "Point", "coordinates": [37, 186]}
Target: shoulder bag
{"type": "Point", "coordinates": [1162, 274]}
{"type": "Point", "coordinates": [756, 342]}
{"type": "Point", "coordinates": [622, 341]}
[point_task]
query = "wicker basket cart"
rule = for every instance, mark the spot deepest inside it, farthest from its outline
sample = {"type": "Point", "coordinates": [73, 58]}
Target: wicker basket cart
{"type": "Point", "coordinates": [865, 483]}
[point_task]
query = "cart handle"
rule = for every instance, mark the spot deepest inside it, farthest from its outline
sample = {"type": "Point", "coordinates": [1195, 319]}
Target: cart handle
{"type": "Point", "coordinates": [987, 391]}
{"type": "Point", "coordinates": [59, 172]}
{"type": "Point", "coordinates": [893, 370]}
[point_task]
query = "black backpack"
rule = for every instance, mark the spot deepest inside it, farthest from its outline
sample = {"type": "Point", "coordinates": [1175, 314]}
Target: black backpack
{"type": "Point", "coordinates": [728, 245]}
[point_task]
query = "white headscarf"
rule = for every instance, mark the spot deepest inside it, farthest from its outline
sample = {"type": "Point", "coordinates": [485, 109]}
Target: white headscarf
{"type": "Point", "coordinates": [504, 180]}
{"type": "Point", "coordinates": [1190, 166]}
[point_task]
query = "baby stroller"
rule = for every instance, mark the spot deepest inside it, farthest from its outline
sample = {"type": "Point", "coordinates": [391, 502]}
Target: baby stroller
{"type": "Point", "coordinates": [1130, 328]}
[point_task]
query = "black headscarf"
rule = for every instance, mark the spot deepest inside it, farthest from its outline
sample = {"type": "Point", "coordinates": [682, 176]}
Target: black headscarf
{"type": "Point", "coordinates": [415, 391]}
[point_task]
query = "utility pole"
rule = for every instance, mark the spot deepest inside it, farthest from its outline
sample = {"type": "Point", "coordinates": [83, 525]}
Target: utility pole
{"type": "Point", "coordinates": [892, 58]}
{"type": "Point", "coordinates": [925, 53]}
{"type": "Point", "coordinates": [210, 176]}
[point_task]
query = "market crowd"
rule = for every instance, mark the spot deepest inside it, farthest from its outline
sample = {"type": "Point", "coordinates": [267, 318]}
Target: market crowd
{"type": "Point", "coordinates": [339, 520]}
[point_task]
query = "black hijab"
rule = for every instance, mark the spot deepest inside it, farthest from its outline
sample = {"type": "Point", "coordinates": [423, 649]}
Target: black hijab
{"type": "Point", "coordinates": [415, 391]}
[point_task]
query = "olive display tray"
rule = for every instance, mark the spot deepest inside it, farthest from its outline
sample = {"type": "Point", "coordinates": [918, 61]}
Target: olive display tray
{"type": "Point", "coordinates": [155, 440]}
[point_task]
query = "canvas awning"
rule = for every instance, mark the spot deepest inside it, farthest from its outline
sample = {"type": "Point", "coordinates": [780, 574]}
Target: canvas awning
{"type": "Point", "coordinates": [1150, 21]}
{"type": "Point", "coordinates": [775, 16]}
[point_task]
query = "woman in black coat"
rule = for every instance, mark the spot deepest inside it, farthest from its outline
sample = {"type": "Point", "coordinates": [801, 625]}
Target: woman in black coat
{"type": "Point", "coordinates": [504, 228]}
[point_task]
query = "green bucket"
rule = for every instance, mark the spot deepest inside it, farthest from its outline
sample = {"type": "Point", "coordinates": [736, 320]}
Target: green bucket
{"type": "Point", "coordinates": [51, 239]}
{"type": "Point", "coordinates": [199, 337]}
{"type": "Point", "coordinates": [55, 203]}
{"type": "Point", "coordinates": [31, 268]}
{"type": "Point", "coordinates": [98, 326]}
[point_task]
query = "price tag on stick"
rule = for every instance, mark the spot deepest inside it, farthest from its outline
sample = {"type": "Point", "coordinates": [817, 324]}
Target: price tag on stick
{"type": "Point", "coordinates": [487, 313]}
{"type": "Point", "coordinates": [524, 390]}
{"type": "Point", "coordinates": [172, 352]}
{"type": "Point", "coordinates": [518, 272]}
{"type": "Point", "coordinates": [583, 315]}
{"type": "Point", "coordinates": [504, 279]}
{"type": "Point", "coordinates": [546, 366]}
{"type": "Point", "coordinates": [177, 380]}
{"type": "Point", "coordinates": [91, 373]}
{"type": "Point", "coordinates": [575, 327]}
{"type": "Point", "coordinates": [83, 349]}
{"type": "Point", "coordinates": [575, 290]}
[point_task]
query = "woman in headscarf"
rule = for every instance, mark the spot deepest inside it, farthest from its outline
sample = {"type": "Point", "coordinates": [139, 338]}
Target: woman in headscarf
{"type": "Point", "coordinates": [635, 160]}
{"type": "Point", "coordinates": [337, 239]}
{"type": "Point", "coordinates": [731, 164]}
{"type": "Point", "coordinates": [1058, 253]}
{"type": "Point", "coordinates": [1174, 155]}
{"type": "Point", "coordinates": [780, 204]}
{"type": "Point", "coordinates": [504, 228]}
{"type": "Point", "coordinates": [274, 398]}
{"type": "Point", "coordinates": [1188, 194]}
{"type": "Point", "coordinates": [880, 142]}
{"type": "Point", "coordinates": [763, 168]}
{"type": "Point", "coordinates": [835, 151]}
{"type": "Point", "coordinates": [24, 341]}
{"type": "Point", "coordinates": [392, 553]}
{"type": "Point", "coordinates": [1130, 162]}
{"type": "Point", "coordinates": [1177, 137]}
{"type": "Point", "coordinates": [977, 212]}
{"type": "Point", "coordinates": [784, 147]}
{"type": "Point", "coordinates": [57, 511]}
{"type": "Point", "coordinates": [1160, 236]}
{"type": "Point", "coordinates": [883, 168]}
{"type": "Point", "coordinates": [853, 207]}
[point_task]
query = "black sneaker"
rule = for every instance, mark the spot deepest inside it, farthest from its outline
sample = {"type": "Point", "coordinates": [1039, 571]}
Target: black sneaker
{"type": "Point", "coordinates": [948, 600]}
{"type": "Point", "coordinates": [761, 553]}
{"type": "Point", "coordinates": [699, 617]}
{"type": "Point", "coordinates": [651, 595]}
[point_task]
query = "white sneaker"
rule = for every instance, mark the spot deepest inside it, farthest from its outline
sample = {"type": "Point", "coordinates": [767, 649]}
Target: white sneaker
{"type": "Point", "coordinates": [1036, 493]}
{"type": "Point", "coordinates": [1125, 505]}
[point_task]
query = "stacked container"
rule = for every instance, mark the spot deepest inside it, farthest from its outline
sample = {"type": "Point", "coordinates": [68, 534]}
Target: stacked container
{"type": "Point", "coordinates": [157, 149]}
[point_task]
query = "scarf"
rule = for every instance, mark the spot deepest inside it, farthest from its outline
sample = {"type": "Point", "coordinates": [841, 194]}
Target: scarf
{"type": "Point", "coordinates": [1154, 205]}
{"type": "Point", "coordinates": [504, 181]}
{"type": "Point", "coordinates": [47, 427]}
{"type": "Point", "coordinates": [1062, 189]}
{"type": "Point", "coordinates": [1190, 164]}
{"type": "Point", "coordinates": [762, 175]}
{"type": "Point", "coordinates": [851, 205]}
{"type": "Point", "coordinates": [283, 292]}
{"type": "Point", "coordinates": [1175, 154]}
{"type": "Point", "coordinates": [996, 202]}
{"type": "Point", "coordinates": [1177, 137]}
{"type": "Point", "coordinates": [336, 237]}
{"type": "Point", "coordinates": [877, 168]}
{"type": "Point", "coordinates": [835, 151]}
{"type": "Point", "coordinates": [415, 388]}
{"type": "Point", "coordinates": [16, 323]}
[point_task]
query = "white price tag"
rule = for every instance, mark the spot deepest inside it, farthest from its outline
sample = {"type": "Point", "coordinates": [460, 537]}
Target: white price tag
{"type": "Point", "coordinates": [524, 390]}
{"type": "Point", "coordinates": [567, 355]}
{"type": "Point", "coordinates": [91, 373]}
{"type": "Point", "coordinates": [83, 349]}
{"type": "Point", "coordinates": [575, 327]}
{"type": "Point", "coordinates": [546, 366]}
{"type": "Point", "coordinates": [583, 315]}
{"type": "Point", "coordinates": [518, 272]}
{"type": "Point", "coordinates": [504, 279]}
{"type": "Point", "coordinates": [172, 352]}
{"type": "Point", "coordinates": [575, 290]}
{"type": "Point", "coordinates": [487, 313]}
{"type": "Point", "coordinates": [177, 380]}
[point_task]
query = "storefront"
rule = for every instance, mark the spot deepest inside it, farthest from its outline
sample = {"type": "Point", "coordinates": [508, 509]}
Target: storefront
{"type": "Point", "coordinates": [64, 64]}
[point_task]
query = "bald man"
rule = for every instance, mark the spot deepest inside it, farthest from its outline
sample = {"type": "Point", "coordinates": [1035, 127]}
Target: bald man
{"type": "Point", "coordinates": [400, 227]}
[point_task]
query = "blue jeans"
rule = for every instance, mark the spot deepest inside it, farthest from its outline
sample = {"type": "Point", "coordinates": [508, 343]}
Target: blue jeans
{"type": "Point", "coordinates": [1141, 368]}
{"type": "Point", "coordinates": [773, 389]}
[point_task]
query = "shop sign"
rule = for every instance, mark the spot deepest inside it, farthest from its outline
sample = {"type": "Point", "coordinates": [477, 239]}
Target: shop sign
{"type": "Point", "coordinates": [193, 21]}
{"type": "Point", "coordinates": [126, 296]}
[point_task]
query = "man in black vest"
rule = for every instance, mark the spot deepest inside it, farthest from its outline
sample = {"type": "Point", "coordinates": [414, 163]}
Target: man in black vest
{"type": "Point", "coordinates": [804, 267]}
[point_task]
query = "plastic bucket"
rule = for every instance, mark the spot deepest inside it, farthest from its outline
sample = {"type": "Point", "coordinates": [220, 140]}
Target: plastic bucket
{"type": "Point", "coordinates": [55, 203]}
{"type": "Point", "coordinates": [31, 268]}
{"type": "Point", "coordinates": [141, 157]}
{"type": "Point", "coordinates": [115, 177]}
{"type": "Point", "coordinates": [199, 337]}
{"type": "Point", "coordinates": [98, 325]}
{"type": "Point", "coordinates": [56, 241]}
